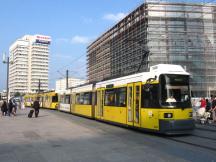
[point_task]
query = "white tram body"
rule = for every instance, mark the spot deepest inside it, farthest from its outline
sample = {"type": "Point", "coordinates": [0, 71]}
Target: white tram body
{"type": "Point", "coordinates": [65, 100]}
{"type": "Point", "coordinates": [155, 72]}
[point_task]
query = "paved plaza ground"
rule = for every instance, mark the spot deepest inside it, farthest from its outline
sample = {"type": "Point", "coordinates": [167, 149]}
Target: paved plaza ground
{"type": "Point", "coordinates": [61, 137]}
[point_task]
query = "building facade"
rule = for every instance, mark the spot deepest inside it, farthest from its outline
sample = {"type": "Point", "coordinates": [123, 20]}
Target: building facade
{"type": "Point", "coordinates": [72, 82]}
{"type": "Point", "coordinates": [29, 60]}
{"type": "Point", "coordinates": [174, 33]}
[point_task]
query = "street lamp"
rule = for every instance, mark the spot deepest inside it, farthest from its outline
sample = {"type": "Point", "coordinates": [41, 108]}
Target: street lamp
{"type": "Point", "coordinates": [7, 61]}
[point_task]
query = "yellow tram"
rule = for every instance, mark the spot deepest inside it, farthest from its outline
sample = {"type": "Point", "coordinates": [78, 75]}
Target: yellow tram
{"type": "Point", "coordinates": [156, 101]}
{"type": "Point", "coordinates": [29, 99]}
{"type": "Point", "coordinates": [48, 100]}
{"type": "Point", "coordinates": [140, 100]}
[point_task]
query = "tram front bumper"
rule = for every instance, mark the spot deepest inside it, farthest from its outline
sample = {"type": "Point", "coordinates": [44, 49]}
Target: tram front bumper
{"type": "Point", "coordinates": [176, 126]}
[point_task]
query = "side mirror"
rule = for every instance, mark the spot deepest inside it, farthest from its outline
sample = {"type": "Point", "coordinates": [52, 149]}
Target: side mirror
{"type": "Point", "coordinates": [147, 86]}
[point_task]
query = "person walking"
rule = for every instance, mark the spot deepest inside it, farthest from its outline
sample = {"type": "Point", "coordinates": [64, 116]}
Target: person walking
{"type": "Point", "coordinates": [14, 104]}
{"type": "Point", "coordinates": [4, 108]}
{"type": "Point", "coordinates": [202, 108]}
{"type": "Point", "coordinates": [11, 108]}
{"type": "Point", "coordinates": [213, 108]}
{"type": "Point", "coordinates": [208, 105]}
{"type": "Point", "coordinates": [36, 106]}
{"type": "Point", "coordinates": [1, 103]}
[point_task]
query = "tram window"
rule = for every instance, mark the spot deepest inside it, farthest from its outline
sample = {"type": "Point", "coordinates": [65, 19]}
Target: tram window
{"type": "Point", "coordinates": [84, 98]}
{"type": "Point", "coordinates": [150, 97]}
{"type": "Point", "coordinates": [121, 97]}
{"type": "Point", "coordinates": [77, 98]}
{"type": "Point", "coordinates": [109, 97]}
{"type": "Point", "coordinates": [95, 98]}
{"type": "Point", "coordinates": [67, 99]}
{"type": "Point", "coordinates": [55, 98]}
{"type": "Point", "coordinates": [87, 97]}
{"type": "Point", "coordinates": [81, 99]}
{"type": "Point", "coordinates": [62, 99]}
{"type": "Point", "coordinates": [176, 86]}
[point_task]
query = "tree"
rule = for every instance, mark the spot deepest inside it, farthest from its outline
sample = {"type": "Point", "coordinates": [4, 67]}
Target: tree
{"type": "Point", "coordinates": [17, 94]}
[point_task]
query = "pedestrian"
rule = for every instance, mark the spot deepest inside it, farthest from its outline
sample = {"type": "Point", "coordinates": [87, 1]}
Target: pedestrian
{"type": "Point", "coordinates": [1, 103]}
{"type": "Point", "coordinates": [14, 104]}
{"type": "Point", "coordinates": [213, 107]}
{"type": "Point", "coordinates": [36, 106]}
{"type": "Point", "coordinates": [4, 108]}
{"type": "Point", "coordinates": [11, 108]}
{"type": "Point", "coordinates": [202, 110]}
{"type": "Point", "coordinates": [208, 105]}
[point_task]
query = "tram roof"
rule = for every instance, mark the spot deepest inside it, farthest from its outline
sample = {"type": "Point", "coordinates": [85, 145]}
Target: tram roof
{"type": "Point", "coordinates": [83, 88]}
{"type": "Point", "coordinates": [65, 91]}
{"type": "Point", "coordinates": [156, 70]}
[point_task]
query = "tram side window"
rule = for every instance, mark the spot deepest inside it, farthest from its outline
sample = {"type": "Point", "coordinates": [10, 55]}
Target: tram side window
{"type": "Point", "coordinates": [81, 99]}
{"type": "Point", "coordinates": [77, 98]}
{"type": "Point", "coordinates": [121, 97]}
{"type": "Point", "coordinates": [67, 99]}
{"type": "Point", "coordinates": [87, 98]}
{"type": "Point", "coordinates": [84, 98]}
{"type": "Point", "coordinates": [116, 97]}
{"type": "Point", "coordinates": [62, 99]}
{"type": "Point", "coordinates": [109, 97]}
{"type": "Point", "coordinates": [150, 97]}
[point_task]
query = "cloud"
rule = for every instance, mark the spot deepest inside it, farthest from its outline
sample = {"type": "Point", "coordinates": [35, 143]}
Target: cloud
{"type": "Point", "coordinates": [114, 17]}
{"type": "Point", "coordinates": [80, 40]}
{"type": "Point", "coordinates": [77, 39]}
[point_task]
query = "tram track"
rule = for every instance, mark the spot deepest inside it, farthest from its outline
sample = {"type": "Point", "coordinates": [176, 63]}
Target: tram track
{"type": "Point", "coordinates": [201, 144]}
{"type": "Point", "coordinates": [206, 129]}
{"type": "Point", "coordinates": [204, 137]}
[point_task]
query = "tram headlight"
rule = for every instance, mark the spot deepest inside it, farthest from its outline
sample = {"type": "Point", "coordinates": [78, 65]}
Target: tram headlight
{"type": "Point", "coordinates": [168, 115]}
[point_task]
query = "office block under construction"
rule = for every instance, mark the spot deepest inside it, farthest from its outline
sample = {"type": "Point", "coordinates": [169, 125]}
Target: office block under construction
{"type": "Point", "coordinates": [154, 33]}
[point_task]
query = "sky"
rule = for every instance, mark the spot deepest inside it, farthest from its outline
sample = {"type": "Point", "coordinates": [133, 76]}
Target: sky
{"type": "Point", "coordinates": [72, 25]}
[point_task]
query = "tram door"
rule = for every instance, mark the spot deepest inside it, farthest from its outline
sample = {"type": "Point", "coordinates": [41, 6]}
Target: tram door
{"type": "Point", "coordinates": [133, 104]}
{"type": "Point", "coordinates": [100, 103]}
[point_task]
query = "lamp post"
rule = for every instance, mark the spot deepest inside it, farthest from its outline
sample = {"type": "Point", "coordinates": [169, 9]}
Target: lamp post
{"type": "Point", "coordinates": [7, 61]}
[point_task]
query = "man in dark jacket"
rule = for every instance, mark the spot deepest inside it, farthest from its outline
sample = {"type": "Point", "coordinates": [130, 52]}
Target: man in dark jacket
{"type": "Point", "coordinates": [36, 106]}
{"type": "Point", "coordinates": [4, 108]}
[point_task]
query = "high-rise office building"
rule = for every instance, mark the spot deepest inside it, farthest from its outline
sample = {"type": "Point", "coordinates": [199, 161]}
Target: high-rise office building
{"type": "Point", "coordinates": [173, 33]}
{"type": "Point", "coordinates": [29, 57]}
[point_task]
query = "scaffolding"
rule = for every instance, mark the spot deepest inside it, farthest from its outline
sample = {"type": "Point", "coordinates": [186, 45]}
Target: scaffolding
{"type": "Point", "coordinates": [176, 33]}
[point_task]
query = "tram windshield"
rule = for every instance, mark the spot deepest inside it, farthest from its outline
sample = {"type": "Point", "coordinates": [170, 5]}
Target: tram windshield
{"type": "Point", "coordinates": [175, 91]}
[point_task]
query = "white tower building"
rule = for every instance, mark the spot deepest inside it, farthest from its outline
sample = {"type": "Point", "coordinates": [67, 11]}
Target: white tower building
{"type": "Point", "coordinates": [72, 82]}
{"type": "Point", "coordinates": [30, 57]}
